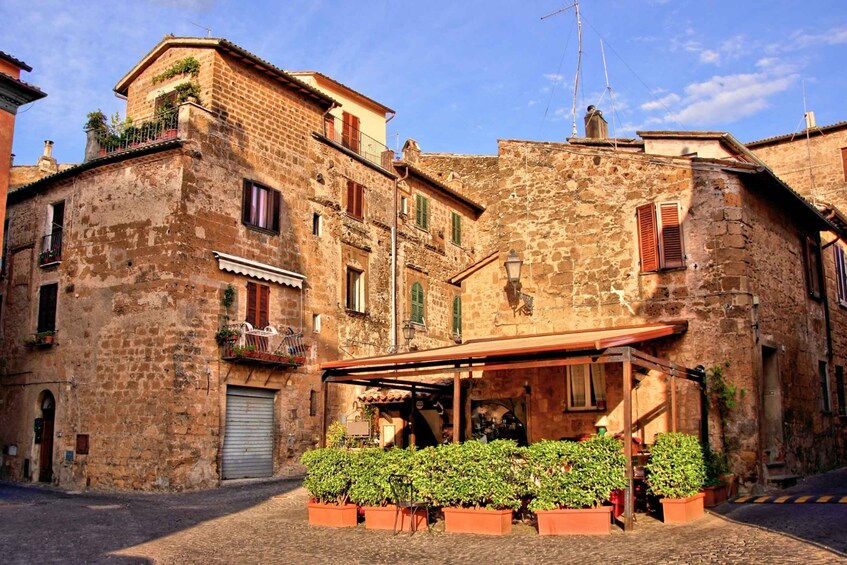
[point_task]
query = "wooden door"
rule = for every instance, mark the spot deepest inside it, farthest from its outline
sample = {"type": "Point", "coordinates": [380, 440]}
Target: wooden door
{"type": "Point", "coordinates": [45, 458]}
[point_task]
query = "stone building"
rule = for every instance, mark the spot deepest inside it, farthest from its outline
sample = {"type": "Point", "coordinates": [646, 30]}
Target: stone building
{"type": "Point", "coordinates": [226, 207]}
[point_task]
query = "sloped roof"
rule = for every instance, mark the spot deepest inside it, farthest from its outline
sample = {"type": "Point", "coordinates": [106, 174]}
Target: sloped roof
{"type": "Point", "coordinates": [792, 136]}
{"type": "Point", "coordinates": [15, 61]}
{"type": "Point", "coordinates": [343, 87]}
{"type": "Point", "coordinates": [475, 206]}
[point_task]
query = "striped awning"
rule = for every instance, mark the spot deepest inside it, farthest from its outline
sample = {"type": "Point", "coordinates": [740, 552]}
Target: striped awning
{"type": "Point", "coordinates": [261, 271]}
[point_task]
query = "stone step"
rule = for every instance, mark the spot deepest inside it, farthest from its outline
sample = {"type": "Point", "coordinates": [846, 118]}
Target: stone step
{"type": "Point", "coordinates": [775, 464]}
{"type": "Point", "coordinates": [783, 481]}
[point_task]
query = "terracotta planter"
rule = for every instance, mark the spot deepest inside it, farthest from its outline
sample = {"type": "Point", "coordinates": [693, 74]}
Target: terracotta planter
{"type": "Point", "coordinates": [332, 515]}
{"type": "Point", "coordinates": [682, 510]}
{"type": "Point", "coordinates": [714, 495]}
{"type": "Point", "coordinates": [382, 518]}
{"type": "Point", "coordinates": [731, 485]}
{"type": "Point", "coordinates": [477, 521]}
{"type": "Point", "coordinates": [567, 521]}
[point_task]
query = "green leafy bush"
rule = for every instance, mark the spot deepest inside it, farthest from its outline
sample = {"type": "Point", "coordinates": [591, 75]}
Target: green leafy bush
{"type": "Point", "coordinates": [189, 65]}
{"type": "Point", "coordinates": [470, 474]}
{"type": "Point", "coordinates": [563, 474]}
{"type": "Point", "coordinates": [716, 466]}
{"type": "Point", "coordinates": [676, 468]}
{"type": "Point", "coordinates": [328, 474]}
{"type": "Point", "coordinates": [370, 473]}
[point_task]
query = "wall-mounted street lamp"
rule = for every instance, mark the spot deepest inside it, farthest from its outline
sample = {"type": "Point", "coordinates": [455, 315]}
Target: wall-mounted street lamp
{"type": "Point", "coordinates": [513, 266]}
{"type": "Point", "coordinates": [408, 332]}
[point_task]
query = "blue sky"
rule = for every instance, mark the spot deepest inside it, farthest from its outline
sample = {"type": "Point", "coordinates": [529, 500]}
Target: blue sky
{"type": "Point", "coordinates": [462, 74]}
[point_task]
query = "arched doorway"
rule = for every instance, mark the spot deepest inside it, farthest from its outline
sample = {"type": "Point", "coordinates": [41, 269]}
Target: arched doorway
{"type": "Point", "coordinates": [45, 438]}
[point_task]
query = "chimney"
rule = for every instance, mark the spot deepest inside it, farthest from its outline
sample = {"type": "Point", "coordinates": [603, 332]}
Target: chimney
{"type": "Point", "coordinates": [411, 151]}
{"type": "Point", "coordinates": [47, 163]}
{"type": "Point", "coordinates": [596, 127]}
{"type": "Point", "coordinates": [810, 120]}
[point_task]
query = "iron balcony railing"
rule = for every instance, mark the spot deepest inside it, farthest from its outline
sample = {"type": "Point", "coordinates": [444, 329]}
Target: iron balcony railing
{"type": "Point", "coordinates": [358, 142]}
{"type": "Point", "coordinates": [268, 344]}
{"type": "Point", "coordinates": [51, 247]}
{"type": "Point", "coordinates": [137, 133]}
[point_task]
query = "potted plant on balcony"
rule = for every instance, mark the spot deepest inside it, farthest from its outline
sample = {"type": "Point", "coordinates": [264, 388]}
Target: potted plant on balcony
{"type": "Point", "coordinates": [51, 255]}
{"type": "Point", "coordinates": [676, 472]}
{"type": "Point", "coordinates": [477, 484]}
{"type": "Point", "coordinates": [328, 482]}
{"type": "Point", "coordinates": [227, 336]}
{"type": "Point", "coordinates": [570, 481]}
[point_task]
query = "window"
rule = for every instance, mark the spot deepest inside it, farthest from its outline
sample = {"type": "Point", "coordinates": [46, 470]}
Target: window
{"type": "Point", "coordinates": [355, 292]}
{"type": "Point", "coordinates": [165, 103]}
{"type": "Point", "coordinates": [51, 246]}
{"type": "Point", "coordinates": [422, 211]}
{"type": "Point", "coordinates": [660, 244]}
{"type": "Point", "coordinates": [258, 305]}
{"type": "Point", "coordinates": [355, 199]}
{"type": "Point", "coordinates": [826, 406]}
{"type": "Point", "coordinates": [586, 387]}
{"type": "Point", "coordinates": [260, 207]}
{"type": "Point", "coordinates": [317, 224]}
{"type": "Point", "coordinates": [456, 231]}
{"type": "Point", "coordinates": [47, 308]}
{"type": "Point", "coordinates": [329, 127]}
{"type": "Point", "coordinates": [350, 134]}
{"type": "Point", "coordinates": [316, 323]}
{"type": "Point", "coordinates": [404, 205]}
{"type": "Point", "coordinates": [418, 301]}
{"type": "Point", "coordinates": [812, 256]}
{"type": "Point", "coordinates": [840, 274]}
{"type": "Point", "coordinates": [457, 315]}
{"type": "Point", "coordinates": [839, 390]}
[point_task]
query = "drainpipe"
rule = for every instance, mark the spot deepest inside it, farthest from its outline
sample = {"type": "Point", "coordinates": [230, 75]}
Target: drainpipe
{"type": "Point", "coordinates": [394, 321]}
{"type": "Point", "coordinates": [323, 119]}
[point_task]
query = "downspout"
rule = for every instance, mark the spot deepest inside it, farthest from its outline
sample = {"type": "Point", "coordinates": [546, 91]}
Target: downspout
{"type": "Point", "coordinates": [323, 117]}
{"type": "Point", "coordinates": [394, 321]}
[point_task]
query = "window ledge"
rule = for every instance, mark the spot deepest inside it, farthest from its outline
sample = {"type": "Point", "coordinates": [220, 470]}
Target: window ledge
{"type": "Point", "coordinates": [425, 230]}
{"type": "Point", "coordinates": [50, 264]}
{"type": "Point", "coordinates": [660, 271]}
{"type": "Point", "coordinates": [357, 314]}
{"type": "Point", "coordinates": [259, 229]}
{"type": "Point", "coordinates": [356, 218]}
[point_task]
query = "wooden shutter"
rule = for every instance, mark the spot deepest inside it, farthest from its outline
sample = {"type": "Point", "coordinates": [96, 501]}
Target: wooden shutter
{"type": "Point", "coordinates": [350, 132]}
{"type": "Point", "coordinates": [355, 196]}
{"type": "Point", "coordinates": [246, 202]}
{"type": "Point", "coordinates": [329, 127]}
{"type": "Point", "coordinates": [457, 315]}
{"type": "Point", "coordinates": [648, 248]}
{"type": "Point", "coordinates": [47, 307]}
{"type": "Point", "coordinates": [354, 132]}
{"type": "Point", "coordinates": [813, 258]}
{"type": "Point", "coordinates": [670, 240]}
{"type": "Point", "coordinates": [844, 161]}
{"type": "Point", "coordinates": [264, 305]}
{"type": "Point", "coordinates": [417, 303]}
{"type": "Point", "coordinates": [840, 274]}
{"type": "Point", "coordinates": [274, 206]}
{"type": "Point", "coordinates": [457, 229]}
{"type": "Point", "coordinates": [253, 304]}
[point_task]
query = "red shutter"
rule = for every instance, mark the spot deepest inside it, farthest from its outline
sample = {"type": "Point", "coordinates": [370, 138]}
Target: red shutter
{"type": "Point", "coordinates": [354, 126]}
{"type": "Point", "coordinates": [350, 190]}
{"type": "Point", "coordinates": [346, 126]}
{"type": "Point", "coordinates": [329, 126]}
{"type": "Point", "coordinates": [670, 230]}
{"type": "Point", "coordinates": [647, 243]}
{"type": "Point", "coordinates": [274, 209]}
{"type": "Point", "coordinates": [264, 306]}
{"type": "Point", "coordinates": [252, 304]}
{"type": "Point", "coordinates": [246, 201]}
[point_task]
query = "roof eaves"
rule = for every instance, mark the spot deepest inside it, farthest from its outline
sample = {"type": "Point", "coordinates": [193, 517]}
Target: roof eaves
{"type": "Point", "coordinates": [21, 92]}
{"type": "Point", "coordinates": [15, 61]}
{"type": "Point", "coordinates": [477, 207]}
{"type": "Point", "coordinates": [385, 109]}
{"type": "Point", "coordinates": [792, 136]}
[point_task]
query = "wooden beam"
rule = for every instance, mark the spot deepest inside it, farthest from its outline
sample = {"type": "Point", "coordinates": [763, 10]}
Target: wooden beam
{"type": "Point", "coordinates": [324, 396]}
{"type": "Point", "coordinates": [673, 403]}
{"type": "Point", "coordinates": [414, 399]}
{"type": "Point", "coordinates": [457, 406]}
{"type": "Point", "coordinates": [627, 444]}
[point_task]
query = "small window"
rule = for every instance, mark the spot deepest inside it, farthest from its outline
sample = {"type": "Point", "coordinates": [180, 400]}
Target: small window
{"type": "Point", "coordinates": [316, 323]}
{"type": "Point", "coordinates": [258, 305]}
{"type": "Point", "coordinates": [317, 225]}
{"type": "Point", "coordinates": [404, 205]}
{"type": "Point", "coordinates": [355, 291]}
{"type": "Point", "coordinates": [456, 231]}
{"type": "Point", "coordinates": [47, 297]}
{"type": "Point", "coordinates": [812, 256]}
{"type": "Point", "coordinates": [418, 301]}
{"type": "Point", "coordinates": [313, 403]}
{"type": "Point", "coordinates": [826, 405]}
{"type": "Point", "coordinates": [355, 200]}
{"type": "Point", "coordinates": [586, 387]}
{"type": "Point", "coordinates": [422, 211]}
{"type": "Point", "coordinates": [260, 207]}
{"type": "Point", "coordinates": [660, 243]}
{"type": "Point", "coordinates": [840, 274]}
{"type": "Point", "coordinates": [839, 390]}
{"type": "Point", "coordinates": [457, 316]}
{"type": "Point", "coordinates": [165, 103]}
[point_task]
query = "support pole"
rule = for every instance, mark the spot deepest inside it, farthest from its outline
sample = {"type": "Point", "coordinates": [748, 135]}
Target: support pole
{"type": "Point", "coordinates": [627, 444]}
{"type": "Point", "coordinates": [673, 402]}
{"type": "Point", "coordinates": [324, 396]}
{"type": "Point", "coordinates": [413, 413]}
{"type": "Point", "coordinates": [457, 407]}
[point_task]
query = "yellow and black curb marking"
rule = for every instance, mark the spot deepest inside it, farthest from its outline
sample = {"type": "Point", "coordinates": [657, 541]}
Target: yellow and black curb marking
{"type": "Point", "coordinates": [824, 499]}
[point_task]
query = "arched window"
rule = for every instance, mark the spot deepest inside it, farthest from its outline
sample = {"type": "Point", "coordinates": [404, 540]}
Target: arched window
{"type": "Point", "coordinates": [417, 314]}
{"type": "Point", "coordinates": [457, 315]}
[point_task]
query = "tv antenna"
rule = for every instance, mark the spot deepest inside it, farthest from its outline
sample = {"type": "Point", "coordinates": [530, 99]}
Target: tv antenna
{"type": "Point", "coordinates": [611, 97]}
{"type": "Point", "coordinates": [575, 6]}
{"type": "Point", "coordinates": [208, 29]}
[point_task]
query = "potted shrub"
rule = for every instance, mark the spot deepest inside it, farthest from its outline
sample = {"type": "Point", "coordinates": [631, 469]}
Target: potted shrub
{"type": "Point", "coordinates": [715, 487]}
{"type": "Point", "coordinates": [676, 472]}
{"type": "Point", "coordinates": [226, 336]}
{"type": "Point", "coordinates": [45, 338]}
{"type": "Point", "coordinates": [49, 256]}
{"type": "Point", "coordinates": [477, 484]}
{"type": "Point", "coordinates": [370, 488]}
{"type": "Point", "coordinates": [328, 483]}
{"type": "Point", "coordinates": [570, 481]}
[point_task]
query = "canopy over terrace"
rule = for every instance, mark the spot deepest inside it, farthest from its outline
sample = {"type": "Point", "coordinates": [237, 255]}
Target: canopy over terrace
{"type": "Point", "coordinates": [607, 345]}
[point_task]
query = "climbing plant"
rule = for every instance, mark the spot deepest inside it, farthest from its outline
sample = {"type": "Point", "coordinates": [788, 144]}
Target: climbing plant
{"type": "Point", "coordinates": [723, 393]}
{"type": "Point", "coordinates": [186, 66]}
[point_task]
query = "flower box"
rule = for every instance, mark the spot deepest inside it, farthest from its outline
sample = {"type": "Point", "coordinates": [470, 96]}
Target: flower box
{"type": "Point", "coordinates": [477, 521]}
{"type": "Point", "coordinates": [332, 515]}
{"type": "Point", "coordinates": [682, 510]}
{"type": "Point", "coordinates": [383, 518]}
{"type": "Point", "coordinates": [568, 521]}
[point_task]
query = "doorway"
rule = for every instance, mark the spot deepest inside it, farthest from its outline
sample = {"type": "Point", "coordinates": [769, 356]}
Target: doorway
{"type": "Point", "coordinates": [772, 406]}
{"type": "Point", "coordinates": [45, 456]}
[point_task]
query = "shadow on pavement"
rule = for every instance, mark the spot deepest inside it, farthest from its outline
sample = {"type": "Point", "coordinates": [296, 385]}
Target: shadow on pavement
{"type": "Point", "coordinates": [47, 525]}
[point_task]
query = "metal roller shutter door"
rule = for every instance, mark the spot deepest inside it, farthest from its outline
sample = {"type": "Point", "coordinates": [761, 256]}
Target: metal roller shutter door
{"type": "Point", "coordinates": [248, 442]}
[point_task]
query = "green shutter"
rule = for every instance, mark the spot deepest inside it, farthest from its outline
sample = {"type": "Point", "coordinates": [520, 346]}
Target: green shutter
{"type": "Point", "coordinates": [417, 303]}
{"type": "Point", "coordinates": [457, 229]}
{"type": "Point", "coordinates": [457, 315]}
{"type": "Point", "coordinates": [422, 211]}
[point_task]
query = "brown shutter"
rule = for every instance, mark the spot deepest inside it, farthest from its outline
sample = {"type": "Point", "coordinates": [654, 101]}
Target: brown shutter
{"type": "Point", "coordinates": [252, 304]}
{"type": "Point", "coordinates": [350, 190]}
{"type": "Point", "coordinates": [358, 204]}
{"type": "Point", "coordinates": [329, 126]}
{"type": "Point", "coordinates": [813, 258]}
{"type": "Point", "coordinates": [264, 305]}
{"type": "Point", "coordinates": [246, 201]}
{"type": "Point", "coordinates": [672, 251]}
{"type": "Point", "coordinates": [647, 243]}
{"type": "Point", "coordinates": [346, 124]}
{"type": "Point", "coordinates": [276, 199]}
{"type": "Point", "coordinates": [354, 126]}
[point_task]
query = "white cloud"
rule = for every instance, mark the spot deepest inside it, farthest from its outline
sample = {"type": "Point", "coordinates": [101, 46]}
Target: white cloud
{"type": "Point", "coordinates": [661, 103]}
{"type": "Point", "coordinates": [554, 78]}
{"type": "Point", "coordinates": [709, 56]}
{"type": "Point", "coordinates": [531, 103]}
{"type": "Point", "coordinates": [834, 36]}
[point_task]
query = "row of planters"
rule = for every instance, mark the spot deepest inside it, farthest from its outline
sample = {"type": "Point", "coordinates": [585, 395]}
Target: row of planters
{"type": "Point", "coordinates": [478, 486]}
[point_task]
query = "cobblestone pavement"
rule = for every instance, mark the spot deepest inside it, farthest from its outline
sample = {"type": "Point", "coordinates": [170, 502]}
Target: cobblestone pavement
{"type": "Point", "coordinates": [266, 522]}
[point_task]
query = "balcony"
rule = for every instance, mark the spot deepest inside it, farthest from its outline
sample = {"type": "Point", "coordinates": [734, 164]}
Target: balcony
{"type": "Point", "coordinates": [242, 343]}
{"type": "Point", "coordinates": [51, 249]}
{"type": "Point", "coordinates": [138, 133]}
{"type": "Point", "coordinates": [359, 143]}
